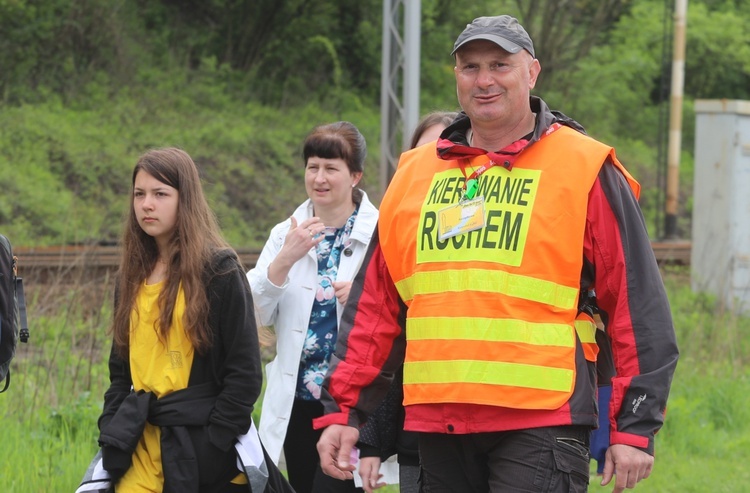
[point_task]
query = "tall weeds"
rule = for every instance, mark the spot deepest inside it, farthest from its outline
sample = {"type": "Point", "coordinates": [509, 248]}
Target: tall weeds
{"type": "Point", "coordinates": [48, 432]}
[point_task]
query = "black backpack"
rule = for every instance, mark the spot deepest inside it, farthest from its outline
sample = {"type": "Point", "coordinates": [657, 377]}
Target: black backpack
{"type": "Point", "coordinates": [12, 310]}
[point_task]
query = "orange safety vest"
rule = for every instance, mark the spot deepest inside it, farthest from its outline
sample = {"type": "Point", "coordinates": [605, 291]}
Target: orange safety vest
{"type": "Point", "coordinates": [492, 313]}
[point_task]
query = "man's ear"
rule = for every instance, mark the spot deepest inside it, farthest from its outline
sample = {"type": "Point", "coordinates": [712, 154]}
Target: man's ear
{"type": "Point", "coordinates": [534, 69]}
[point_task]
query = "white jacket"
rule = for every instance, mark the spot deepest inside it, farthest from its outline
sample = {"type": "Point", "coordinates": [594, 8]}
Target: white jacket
{"type": "Point", "coordinates": [288, 309]}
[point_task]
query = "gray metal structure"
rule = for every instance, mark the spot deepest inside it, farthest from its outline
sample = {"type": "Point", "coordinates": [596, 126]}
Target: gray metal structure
{"type": "Point", "coordinates": [399, 90]}
{"type": "Point", "coordinates": [720, 254]}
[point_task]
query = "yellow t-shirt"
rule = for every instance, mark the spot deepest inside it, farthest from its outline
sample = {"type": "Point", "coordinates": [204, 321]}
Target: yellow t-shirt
{"type": "Point", "coordinates": [158, 368]}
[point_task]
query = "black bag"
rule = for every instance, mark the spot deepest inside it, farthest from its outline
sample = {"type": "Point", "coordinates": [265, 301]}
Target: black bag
{"type": "Point", "coordinates": [13, 323]}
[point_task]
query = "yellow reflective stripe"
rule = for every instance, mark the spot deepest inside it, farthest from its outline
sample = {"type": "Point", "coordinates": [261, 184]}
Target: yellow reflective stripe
{"type": "Point", "coordinates": [586, 331]}
{"type": "Point", "coordinates": [488, 372]}
{"type": "Point", "coordinates": [490, 330]}
{"type": "Point", "coordinates": [491, 281]}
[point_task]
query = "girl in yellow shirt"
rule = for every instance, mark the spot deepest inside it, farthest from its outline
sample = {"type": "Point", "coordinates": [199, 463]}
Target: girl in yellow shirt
{"type": "Point", "coordinates": [185, 362]}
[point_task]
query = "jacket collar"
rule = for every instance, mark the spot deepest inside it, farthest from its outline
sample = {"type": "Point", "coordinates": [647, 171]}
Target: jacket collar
{"type": "Point", "coordinates": [453, 142]}
{"type": "Point", "coordinates": [367, 217]}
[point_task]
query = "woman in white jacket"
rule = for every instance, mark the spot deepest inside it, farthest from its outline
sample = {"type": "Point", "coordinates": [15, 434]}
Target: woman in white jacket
{"type": "Point", "coordinates": [300, 285]}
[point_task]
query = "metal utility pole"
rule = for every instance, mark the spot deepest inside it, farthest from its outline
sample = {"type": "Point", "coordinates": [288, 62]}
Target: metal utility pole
{"type": "Point", "coordinates": [399, 89]}
{"type": "Point", "coordinates": [675, 120]}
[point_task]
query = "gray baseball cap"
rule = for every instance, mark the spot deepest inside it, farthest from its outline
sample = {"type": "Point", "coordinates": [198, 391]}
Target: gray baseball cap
{"type": "Point", "coordinates": [503, 30]}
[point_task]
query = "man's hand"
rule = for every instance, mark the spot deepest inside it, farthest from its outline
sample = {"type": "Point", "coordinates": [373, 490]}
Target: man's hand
{"type": "Point", "coordinates": [335, 448]}
{"type": "Point", "coordinates": [628, 464]}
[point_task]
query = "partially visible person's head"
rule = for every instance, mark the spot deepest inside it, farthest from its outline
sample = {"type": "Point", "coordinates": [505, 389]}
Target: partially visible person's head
{"type": "Point", "coordinates": [334, 162]}
{"type": "Point", "coordinates": [431, 126]}
{"type": "Point", "coordinates": [495, 69]}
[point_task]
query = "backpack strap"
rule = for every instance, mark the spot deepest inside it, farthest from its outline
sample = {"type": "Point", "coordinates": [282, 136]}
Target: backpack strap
{"type": "Point", "coordinates": [23, 333]}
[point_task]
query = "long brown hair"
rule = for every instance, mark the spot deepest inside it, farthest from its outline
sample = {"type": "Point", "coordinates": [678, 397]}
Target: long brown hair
{"type": "Point", "coordinates": [196, 236]}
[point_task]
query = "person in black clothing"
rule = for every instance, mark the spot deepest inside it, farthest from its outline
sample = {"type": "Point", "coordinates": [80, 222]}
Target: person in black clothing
{"type": "Point", "coordinates": [383, 435]}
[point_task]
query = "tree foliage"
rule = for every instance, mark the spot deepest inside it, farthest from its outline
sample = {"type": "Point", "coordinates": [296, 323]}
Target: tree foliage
{"type": "Point", "coordinates": [87, 85]}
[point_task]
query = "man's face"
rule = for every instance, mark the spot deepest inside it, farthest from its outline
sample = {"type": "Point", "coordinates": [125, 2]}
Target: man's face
{"type": "Point", "coordinates": [492, 84]}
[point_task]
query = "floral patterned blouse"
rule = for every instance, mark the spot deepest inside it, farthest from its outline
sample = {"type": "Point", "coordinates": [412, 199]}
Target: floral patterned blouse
{"type": "Point", "coordinates": [320, 341]}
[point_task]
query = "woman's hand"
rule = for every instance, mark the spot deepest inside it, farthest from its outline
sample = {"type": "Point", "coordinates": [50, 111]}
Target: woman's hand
{"type": "Point", "coordinates": [369, 471]}
{"type": "Point", "coordinates": [341, 290]}
{"type": "Point", "coordinates": [299, 240]}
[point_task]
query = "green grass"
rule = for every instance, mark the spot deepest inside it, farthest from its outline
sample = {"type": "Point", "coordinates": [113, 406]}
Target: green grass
{"type": "Point", "coordinates": [48, 432]}
{"type": "Point", "coordinates": [706, 437]}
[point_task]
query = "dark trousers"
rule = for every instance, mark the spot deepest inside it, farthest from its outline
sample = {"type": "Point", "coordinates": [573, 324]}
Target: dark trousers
{"type": "Point", "coordinates": [301, 453]}
{"type": "Point", "coordinates": [550, 460]}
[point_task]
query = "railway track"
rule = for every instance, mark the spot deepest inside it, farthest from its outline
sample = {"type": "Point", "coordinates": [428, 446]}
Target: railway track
{"type": "Point", "coordinates": [94, 261]}
{"type": "Point", "coordinates": [83, 261]}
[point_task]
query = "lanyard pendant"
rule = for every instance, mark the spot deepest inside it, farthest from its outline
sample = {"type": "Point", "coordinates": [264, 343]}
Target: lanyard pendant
{"type": "Point", "coordinates": [470, 190]}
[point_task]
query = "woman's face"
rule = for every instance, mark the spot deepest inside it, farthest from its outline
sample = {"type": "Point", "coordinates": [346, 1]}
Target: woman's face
{"type": "Point", "coordinates": [155, 206]}
{"type": "Point", "coordinates": [329, 182]}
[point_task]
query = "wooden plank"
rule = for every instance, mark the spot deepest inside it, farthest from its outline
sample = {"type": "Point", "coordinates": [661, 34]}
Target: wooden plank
{"type": "Point", "coordinates": [672, 252]}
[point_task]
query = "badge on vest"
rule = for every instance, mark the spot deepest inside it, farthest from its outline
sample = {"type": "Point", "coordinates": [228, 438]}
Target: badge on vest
{"type": "Point", "coordinates": [461, 218]}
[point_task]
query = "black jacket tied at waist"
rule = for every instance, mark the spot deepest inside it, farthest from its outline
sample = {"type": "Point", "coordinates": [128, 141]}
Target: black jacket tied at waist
{"type": "Point", "coordinates": [173, 414]}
